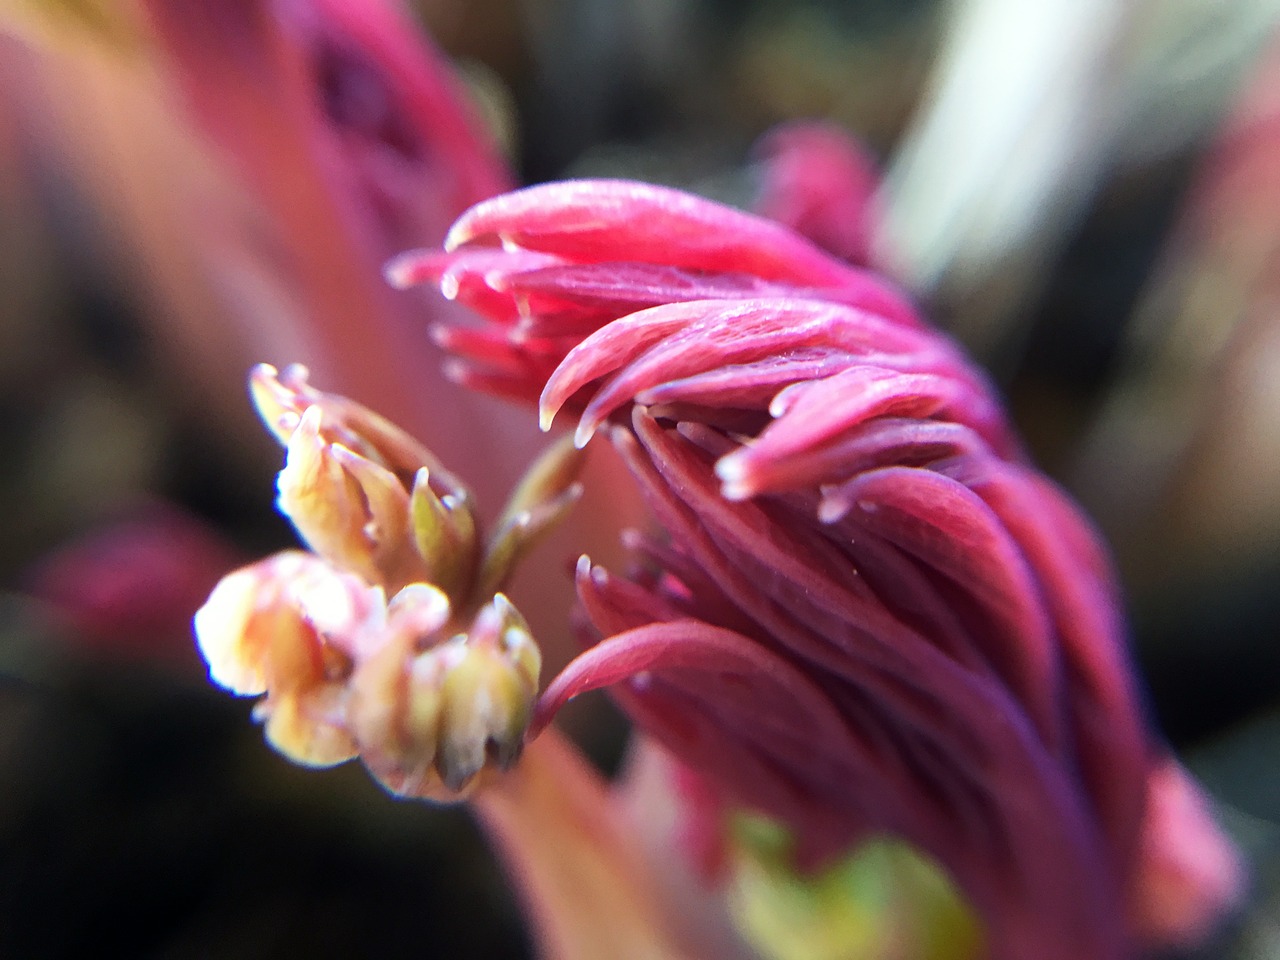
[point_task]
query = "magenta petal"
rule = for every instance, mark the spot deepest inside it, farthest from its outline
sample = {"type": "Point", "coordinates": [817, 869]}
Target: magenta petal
{"type": "Point", "coordinates": [469, 277]}
{"type": "Point", "coordinates": [624, 287]}
{"type": "Point", "coordinates": [609, 349]}
{"type": "Point", "coordinates": [961, 738]}
{"type": "Point", "coordinates": [693, 337]}
{"type": "Point", "coordinates": [815, 414]}
{"type": "Point", "coordinates": [515, 367]}
{"type": "Point", "coordinates": [615, 605]}
{"type": "Point", "coordinates": [413, 267]}
{"type": "Point", "coordinates": [594, 220]}
{"type": "Point", "coordinates": [1103, 706]}
{"type": "Point", "coordinates": [720, 334]}
{"type": "Point", "coordinates": [949, 528]}
{"type": "Point", "coordinates": [816, 606]}
{"type": "Point", "coordinates": [627, 287]}
{"type": "Point", "coordinates": [695, 646]}
{"type": "Point", "coordinates": [964, 743]}
{"type": "Point", "coordinates": [742, 386]}
{"type": "Point", "coordinates": [879, 442]}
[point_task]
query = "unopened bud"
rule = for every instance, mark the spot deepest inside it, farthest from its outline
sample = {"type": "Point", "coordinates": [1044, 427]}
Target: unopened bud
{"type": "Point", "coordinates": [395, 692]}
{"type": "Point", "coordinates": [324, 500]}
{"type": "Point", "coordinates": [431, 689]}
{"type": "Point", "coordinates": [545, 495]}
{"type": "Point", "coordinates": [282, 397]}
{"type": "Point", "coordinates": [431, 710]}
{"type": "Point", "coordinates": [490, 685]}
{"type": "Point", "coordinates": [444, 532]}
{"type": "Point", "coordinates": [362, 493]}
{"type": "Point", "coordinates": [287, 627]}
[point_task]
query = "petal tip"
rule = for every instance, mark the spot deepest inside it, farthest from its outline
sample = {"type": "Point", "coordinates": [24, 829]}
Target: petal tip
{"type": "Point", "coordinates": [546, 417]}
{"type": "Point", "coordinates": [732, 472]}
{"type": "Point", "coordinates": [399, 271]}
{"type": "Point", "coordinates": [583, 434]}
{"type": "Point", "coordinates": [461, 233]}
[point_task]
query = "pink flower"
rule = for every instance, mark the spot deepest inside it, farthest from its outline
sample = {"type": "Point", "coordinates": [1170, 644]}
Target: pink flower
{"type": "Point", "coordinates": [867, 612]}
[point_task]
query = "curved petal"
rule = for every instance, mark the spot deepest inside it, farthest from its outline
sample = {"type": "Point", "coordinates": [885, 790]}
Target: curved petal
{"type": "Point", "coordinates": [589, 220]}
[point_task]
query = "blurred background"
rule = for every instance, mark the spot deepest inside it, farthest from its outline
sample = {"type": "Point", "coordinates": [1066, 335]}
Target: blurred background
{"type": "Point", "coordinates": [1085, 192]}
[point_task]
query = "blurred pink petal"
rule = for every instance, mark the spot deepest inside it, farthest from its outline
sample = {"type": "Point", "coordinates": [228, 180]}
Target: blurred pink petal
{"type": "Point", "coordinates": [1184, 871]}
{"type": "Point", "coordinates": [128, 589]}
{"type": "Point", "coordinates": [360, 99]}
{"type": "Point", "coordinates": [821, 184]}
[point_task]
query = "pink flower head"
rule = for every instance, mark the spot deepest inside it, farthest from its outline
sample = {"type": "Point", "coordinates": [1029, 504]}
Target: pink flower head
{"type": "Point", "coordinates": [867, 613]}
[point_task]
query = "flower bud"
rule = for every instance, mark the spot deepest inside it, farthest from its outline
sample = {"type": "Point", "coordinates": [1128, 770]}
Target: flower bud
{"type": "Point", "coordinates": [432, 710]}
{"type": "Point", "coordinates": [362, 493]}
{"type": "Point", "coordinates": [287, 627]}
{"type": "Point", "coordinates": [490, 683]}
{"type": "Point", "coordinates": [444, 531]}
{"type": "Point", "coordinates": [324, 501]}
{"type": "Point", "coordinates": [282, 397]}
{"type": "Point", "coordinates": [395, 692]}
{"type": "Point", "coordinates": [430, 689]}
{"type": "Point", "coordinates": [546, 493]}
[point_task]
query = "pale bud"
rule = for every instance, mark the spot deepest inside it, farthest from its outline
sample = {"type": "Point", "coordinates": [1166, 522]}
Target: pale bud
{"type": "Point", "coordinates": [490, 684]}
{"type": "Point", "coordinates": [324, 501]}
{"type": "Point", "coordinates": [432, 708]}
{"type": "Point", "coordinates": [287, 627]}
{"type": "Point", "coordinates": [395, 692]}
{"type": "Point", "coordinates": [444, 531]}
{"type": "Point", "coordinates": [282, 397]}
{"type": "Point", "coordinates": [431, 690]}
{"type": "Point", "coordinates": [362, 493]}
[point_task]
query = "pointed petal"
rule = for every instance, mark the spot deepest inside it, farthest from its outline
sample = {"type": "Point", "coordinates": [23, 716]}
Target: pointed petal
{"type": "Point", "coordinates": [599, 220]}
{"type": "Point", "coordinates": [445, 535]}
{"type": "Point", "coordinates": [950, 529]}
{"type": "Point", "coordinates": [387, 529]}
{"type": "Point", "coordinates": [310, 728]}
{"type": "Point", "coordinates": [1102, 704]}
{"type": "Point", "coordinates": [811, 416]}
{"type": "Point", "coordinates": [323, 501]}
{"type": "Point", "coordinates": [657, 347]}
{"type": "Point", "coordinates": [690, 645]}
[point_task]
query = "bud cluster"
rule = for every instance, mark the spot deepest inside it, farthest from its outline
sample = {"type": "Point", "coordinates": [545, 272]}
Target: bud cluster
{"type": "Point", "coordinates": [391, 640]}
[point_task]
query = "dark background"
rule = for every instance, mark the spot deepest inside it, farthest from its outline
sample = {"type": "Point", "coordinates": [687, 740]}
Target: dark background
{"type": "Point", "coordinates": [140, 812]}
